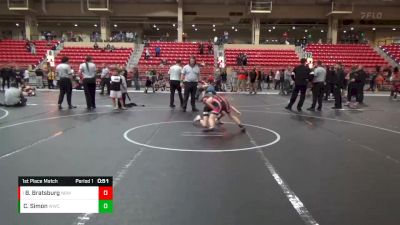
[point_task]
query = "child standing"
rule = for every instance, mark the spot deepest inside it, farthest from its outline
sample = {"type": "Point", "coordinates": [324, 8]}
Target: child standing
{"type": "Point", "coordinates": [115, 87]}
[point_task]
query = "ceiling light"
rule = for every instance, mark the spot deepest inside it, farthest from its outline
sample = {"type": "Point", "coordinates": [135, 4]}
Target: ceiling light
{"type": "Point", "coordinates": [154, 26]}
{"type": "Point", "coordinates": [236, 30]}
{"type": "Point", "coordinates": [306, 30]}
{"type": "Point", "coordinates": [195, 29]}
{"type": "Point", "coordinates": [193, 25]}
{"type": "Point", "coordinates": [344, 31]}
{"type": "Point", "coordinates": [322, 31]}
{"type": "Point", "coordinates": [294, 28]}
{"type": "Point", "coordinates": [394, 29]}
{"type": "Point", "coordinates": [273, 28]}
{"type": "Point", "coordinates": [95, 25]}
{"type": "Point", "coordinates": [214, 30]}
{"type": "Point", "coordinates": [75, 25]}
{"type": "Point", "coordinates": [115, 25]}
{"type": "Point", "coordinates": [17, 24]}
{"type": "Point", "coordinates": [173, 25]}
{"type": "Point", "coordinates": [213, 25]}
{"type": "Point", "coordinates": [233, 28]}
{"type": "Point", "coordinates": [373, 28]}
{"type": "Point", "coordinates": [352, 28]}
{"type": "Point", "coordinates": [158, 28]}
{"type": "Point", "coordinates": [269, 30]}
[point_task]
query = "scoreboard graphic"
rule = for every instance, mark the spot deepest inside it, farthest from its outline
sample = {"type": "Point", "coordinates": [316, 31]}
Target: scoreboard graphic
{"type": "Point", "coordinates": [65, 194]}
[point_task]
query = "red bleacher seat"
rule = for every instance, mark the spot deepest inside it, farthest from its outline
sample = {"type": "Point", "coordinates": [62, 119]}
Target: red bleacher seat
{"type": "Point", "coordinates": [393, 51]}
{"type": "Point", "coordinates": [265, 59]}
{"type": "Point", "coordinates": [347, 54]}
{"type": "Point", "coordinates": [14, 52]}
{"type": "Point", "coordinates": [171, 51]}
{"type": "Point", "coordinates": [77, 56]}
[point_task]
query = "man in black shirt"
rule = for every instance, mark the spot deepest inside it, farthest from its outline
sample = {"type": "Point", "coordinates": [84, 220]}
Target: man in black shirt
{"type": "Point", "coordinates": [338, 83]}
{"type": "Point", "coordinates": [301, 76]}
{"type": "Point", "coordinates": [360, 82]}
{"type": "Point", "coordinates": [5, 75]}
{"type": "Point", "coordinates": [330, 82]}
{"type": "Point", "coordinates": [352, 89]}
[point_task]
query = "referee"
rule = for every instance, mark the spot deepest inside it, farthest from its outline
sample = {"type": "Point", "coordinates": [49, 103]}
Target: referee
{"type": "Point", "coordinates": [318, 86]}
{"type": "Point", "coordinates": [190, 77]}
{"type": "Point", "coordinates": [175, 82]}
{"type": "Point", "coordinates": [64, 73]}
{"type": "Point", "coordinates": [88, 71]}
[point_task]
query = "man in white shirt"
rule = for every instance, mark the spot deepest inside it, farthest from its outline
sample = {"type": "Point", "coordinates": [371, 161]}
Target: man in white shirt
{"type": "Point", "coordinates": [88, 71]}
{"type": "Point", "coordinates": [65, 74]}
{"type": "Point", "coordinates": [105, 80]}
{"type": "Point", "coordinates": [13, 97]}
{"type": "Point", "coordinates": [175, 82]}
{"type": "Point", "coordinates": [190, 76]}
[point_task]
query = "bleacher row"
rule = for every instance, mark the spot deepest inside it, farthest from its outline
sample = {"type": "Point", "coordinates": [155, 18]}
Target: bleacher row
{"type": "Point", "coordinates": [77, 56]}
{"type": "Point", "coordinates": [348, 54]}
{"type": "Point", "coordinates": [171, 51]}
{"type": "Point", "coordinates": [393, 51]}
{"type": "Point", "coordinates": [266, 59]}
{"type": "Point", "coordinates": [14, 52]}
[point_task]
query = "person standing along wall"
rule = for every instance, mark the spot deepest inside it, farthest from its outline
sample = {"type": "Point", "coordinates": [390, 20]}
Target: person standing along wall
{"type": "Point", "coordinates": [26, 76]}
{"type": "Point", "coordinates": [252, 83]}
{"type": "Point", "coordinates": [136, 78]}
{"type": "Point", "coordinates": [39, 78]}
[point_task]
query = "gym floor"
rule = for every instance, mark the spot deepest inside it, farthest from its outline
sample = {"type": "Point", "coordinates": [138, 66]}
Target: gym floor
{"type": "Point", "coordinates": [328, 168]}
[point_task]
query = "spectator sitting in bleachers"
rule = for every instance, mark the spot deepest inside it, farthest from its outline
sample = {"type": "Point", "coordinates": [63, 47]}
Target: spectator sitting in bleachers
{"type": "Point", "coordinates": [163, 63]}
{"type": "Point", "coordinates": [210, 48]}
{"type": "Point", "coordinates": [33, 48]}
{"type": "Point", "coordinates": [201, 48]}
{"type": "Point", "coordinates": [158, 51]}
{"type": "Point", "coordinates": [147, 54]}
{"type": "Point", "coordinates": [95, 46]}
{"type": "Point", "coordinates": [244, 59]}
{"type": "Point", "coordinates": [28, 46]}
